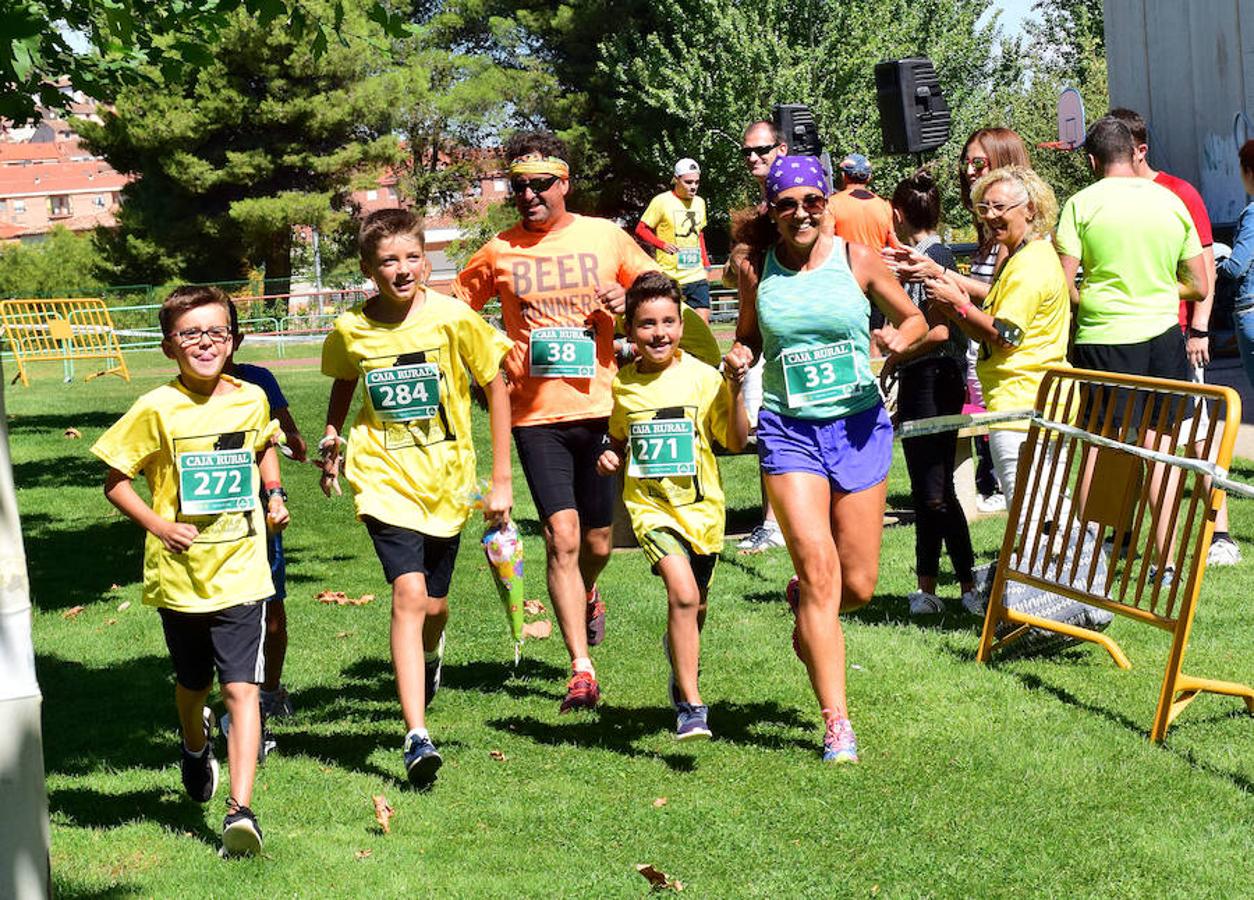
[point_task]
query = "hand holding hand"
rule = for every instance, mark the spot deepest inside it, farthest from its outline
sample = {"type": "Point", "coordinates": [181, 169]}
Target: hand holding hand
{"type": "Point", "coordinates": [737, 362]}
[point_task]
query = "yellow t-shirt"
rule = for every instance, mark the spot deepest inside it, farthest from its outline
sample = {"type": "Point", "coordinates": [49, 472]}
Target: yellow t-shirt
{"type": "Point", "coordinates": [549, 280]}
{"type": "Point", "coordinates": [410, 458]}
{"type": "Point", "coordinates": [678, 222]}
{"type": "Point", "coordinates": [199, 454]}
{"type": "Point", "coordinates": [672, 418]}
{"type": "Point", "coordinates": [1030, 291]}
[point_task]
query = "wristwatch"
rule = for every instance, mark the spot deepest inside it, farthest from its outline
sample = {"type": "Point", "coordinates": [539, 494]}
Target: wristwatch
{"type": "Point", "coordinates": [270, 492]}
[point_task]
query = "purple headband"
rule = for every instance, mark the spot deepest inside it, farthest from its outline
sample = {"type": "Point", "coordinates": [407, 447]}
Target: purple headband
{"type": "Point", "coordinates": [795, 171]}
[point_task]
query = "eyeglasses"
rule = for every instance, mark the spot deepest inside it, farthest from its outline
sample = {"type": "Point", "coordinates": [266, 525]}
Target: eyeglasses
{"type": "Point", "coordinates": [811, 203]}
{"type": "Point", "coordinates": [997, 209]}
{"type": "Point", "coordinates": [537, 185]}
{"type": "Point", "coordinates": [219, 334]}
{"type": "Point", "coordinates": [759, 152]}
{"type": "Point", "coordinates": [979, 163]}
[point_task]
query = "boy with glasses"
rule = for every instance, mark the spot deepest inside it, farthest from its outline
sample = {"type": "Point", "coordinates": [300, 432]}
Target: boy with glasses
{"type": "Point", "coordinates": [203, 442]}
{"type": "Point", "coordinates": [673, 223]}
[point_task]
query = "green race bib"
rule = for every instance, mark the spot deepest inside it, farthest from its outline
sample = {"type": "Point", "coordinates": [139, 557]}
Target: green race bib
{"type": "Point", "coordinates": [404, 393]}
{"type": "Point", "coordinates": [688, 257]}
{"type": "Point", "coordinates": [662, 448]}
{"type": "Point", "coordinates": [562, 353]}
{"type": "Point", "coordinates": [817, 375]}
{"type": "Point", "coordinates": [216, 481]}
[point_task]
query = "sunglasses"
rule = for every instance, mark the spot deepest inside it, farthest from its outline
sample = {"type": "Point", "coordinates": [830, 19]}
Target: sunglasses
{"type": "Point", "coordinates": [979, 163]}
{"type": "Point", "coordinates": [219, 334]}
{"type": "Point", "coordinates": [760, 152]}
{"type": "Point", "coordinates": [996, 209]}
{"type": "Point", "coordinates": [537, 185]}
{"type": "Point", "coordinates": [811, 203]}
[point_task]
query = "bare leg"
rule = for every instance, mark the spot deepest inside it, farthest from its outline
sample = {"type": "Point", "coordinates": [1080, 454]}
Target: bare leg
{"type": "Point", "coordinates": [684, 618]}
{"type": "Point", "coordinates": [566, 581]}
{"type": "Point", "coordinates": [275, 644]}
{"type": "Point", "coordinates": [409, 612]}
{"type": "Point", "coordinates": [244, 739]}
{"type": "Point", "coordinates": [594, 553]}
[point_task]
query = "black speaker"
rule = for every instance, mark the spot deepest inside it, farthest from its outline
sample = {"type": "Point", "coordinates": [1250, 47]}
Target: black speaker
{"type": "Point", "coordinates": [914, 116]}
{"type": "Point", "coordinates": [795, 125]}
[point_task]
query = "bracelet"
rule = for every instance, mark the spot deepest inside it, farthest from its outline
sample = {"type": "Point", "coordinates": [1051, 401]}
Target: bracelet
{"type": "Point", "coordinates": [1198, 333]}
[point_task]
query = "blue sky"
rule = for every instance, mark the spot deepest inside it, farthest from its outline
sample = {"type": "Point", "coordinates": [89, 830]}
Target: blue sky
{"type": "Point", "coordinates": [1013, 13]}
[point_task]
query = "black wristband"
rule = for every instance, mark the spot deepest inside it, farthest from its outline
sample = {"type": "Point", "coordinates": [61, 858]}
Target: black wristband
{"type": "Point", "coordinates": [1198, 333]}
{"type": "Point", "coordinates": [270, 492]}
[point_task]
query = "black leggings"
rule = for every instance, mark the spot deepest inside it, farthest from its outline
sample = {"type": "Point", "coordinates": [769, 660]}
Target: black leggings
{"type": "Point", "coordinates": [935, 387]}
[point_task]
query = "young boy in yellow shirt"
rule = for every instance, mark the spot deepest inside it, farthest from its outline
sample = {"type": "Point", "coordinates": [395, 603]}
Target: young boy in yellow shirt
{"type": "Point", "coordinates": [410, 459]}
{"type": "Point", "coordinates": [202, 442]}
{"type": "Point", "coordinates": [669, 410]}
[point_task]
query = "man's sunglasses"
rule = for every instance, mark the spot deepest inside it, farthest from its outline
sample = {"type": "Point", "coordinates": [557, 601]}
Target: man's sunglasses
{"type": "Point", "coordinates": [760, 152]}
{"type": "Point", "coordinates": [811, 203]}
{"type": "Point", "coordinates": [537, 185]}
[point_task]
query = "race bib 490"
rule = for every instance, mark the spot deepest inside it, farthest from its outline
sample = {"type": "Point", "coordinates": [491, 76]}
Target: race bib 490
{"type": "Point", "coordinates": [561, 353]}
{"type": "Point", "coordinates": [662, 448]}
{"type": "Point", "coordinates": [816, 375]}
{"type": "Point", "coordinates": [216, 481]}
{"type": "Point", "coordinates": [404, 393]}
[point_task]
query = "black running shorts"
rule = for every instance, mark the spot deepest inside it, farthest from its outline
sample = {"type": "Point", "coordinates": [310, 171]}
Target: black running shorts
{"type": "Point", "coordinates": [560, 463]}
{"type": "Point", "coordinates": [230, 639]}
{"type": "Point", "coordinates": [403, 550]}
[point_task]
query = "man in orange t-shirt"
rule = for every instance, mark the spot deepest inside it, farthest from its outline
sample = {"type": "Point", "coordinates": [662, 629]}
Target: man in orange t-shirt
{"type": "Point", "coordinates": [561, 278]}
{"type": "Point", "coordinates": [862, 217]}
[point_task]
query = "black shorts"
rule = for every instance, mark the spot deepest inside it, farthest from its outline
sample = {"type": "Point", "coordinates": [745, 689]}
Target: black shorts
{"type": "Point", "coordinates": [560, 462]}
{"type": "Point", "coordinates": [231, 639]}
{"type": "Point", "coordinates": [1160, 357]}
{"type": "Point", "coordinates": [697, 294]}
{"type": "Point", "coordinates": [403, 550]}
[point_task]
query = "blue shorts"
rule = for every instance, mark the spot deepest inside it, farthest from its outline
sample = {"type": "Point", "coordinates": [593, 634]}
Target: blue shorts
{"type": "Point", "coordinates": [852, 453]}
{"type": "Point", "coordinates": [697, 294]}
{"type": "Point", "coordinates": [278, 564]}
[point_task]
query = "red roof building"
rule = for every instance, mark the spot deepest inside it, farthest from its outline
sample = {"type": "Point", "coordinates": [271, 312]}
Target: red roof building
{"type": "Point", "coordinates": [37, 196]}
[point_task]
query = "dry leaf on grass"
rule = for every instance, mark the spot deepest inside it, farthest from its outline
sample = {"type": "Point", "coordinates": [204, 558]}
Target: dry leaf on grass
{"type": "Point", "coordinates": [537, 630]}
{"type": "Point", "coordinates": [533, 607]}
{"type": "Point", "coordinates": [498, 755]}
{"type": "Point", "coordinates": [363, 854]}
{"type": "Point", "coordinates": [383, 813]}
{"type": "Point", "coordinates": [340, 635]}
{"type": "Point", "coordinates": [73, 433]}
{"type": "Point", "coordinates": [124, 606]}
{"type": "Point", "coordinates": [659, 802]}
{"type": "Point", "coordinates": [339, 598]}
{"type": "Point", "coordinates": [72, 612]}
{"type": "Point", "coordinates": [111, 621]}
{"type": "Point", "coordinates": [658, 879]}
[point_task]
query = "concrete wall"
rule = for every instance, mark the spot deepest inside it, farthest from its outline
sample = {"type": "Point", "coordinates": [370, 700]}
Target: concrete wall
{"type": "Point", "coordinates": [1188, 67]}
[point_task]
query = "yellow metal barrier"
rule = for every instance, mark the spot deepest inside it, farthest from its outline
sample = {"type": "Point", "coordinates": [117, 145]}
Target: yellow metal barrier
{"type": "Point", "coordinates": [61, 330]}
{"type": "Point", "coordinates": [1110, 457]}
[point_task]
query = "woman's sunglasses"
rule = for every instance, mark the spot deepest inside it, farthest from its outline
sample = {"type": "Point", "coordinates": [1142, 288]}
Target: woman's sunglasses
{"type": "Point", "coordinates": [979, 163]}
{"type": "Point", "coordinates": [811, 203]}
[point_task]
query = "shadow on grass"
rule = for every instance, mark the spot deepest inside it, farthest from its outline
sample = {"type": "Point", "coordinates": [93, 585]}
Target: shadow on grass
{"type": "Point", "coordinates": [56, 423]}
{"type": "Point", "coordinates": [69, 890]}
{"type": "Point", "coordinates": [87, 808]}
{"type": "Point", "coordinates": [68, 471]}
{"type": "Point", "coordinates": [75, 566]}
{"type": "Point", "coordinates": [619, 728]}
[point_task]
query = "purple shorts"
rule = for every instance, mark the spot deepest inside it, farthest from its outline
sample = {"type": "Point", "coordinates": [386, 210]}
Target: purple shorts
{"type": "Point", "coordinates": [852, 453]}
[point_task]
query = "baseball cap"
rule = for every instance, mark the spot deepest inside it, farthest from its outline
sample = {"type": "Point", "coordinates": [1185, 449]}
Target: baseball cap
{"type": "Point", "coordinates": [857, 165]}
{"type": "Point", "coordinates": [686, 166]}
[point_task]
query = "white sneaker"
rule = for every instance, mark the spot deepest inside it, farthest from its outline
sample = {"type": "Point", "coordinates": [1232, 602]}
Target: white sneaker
{"type": "Point", "coordinates": [993, 503]}
{"type": "Point", "coordinates": [1223, 552]}
{"type": "Point", "coordinates": [973, 603]}
{"type": "Point", "coordinates": [924, 604]}
{"type": "Point", "coordinates": [766, 536]}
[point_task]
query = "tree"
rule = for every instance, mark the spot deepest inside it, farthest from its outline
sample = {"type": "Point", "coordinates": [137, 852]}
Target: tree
{"type": "Point", "coordinates": [268, 136]}
{"type": "Point", "coordinates": [61, 265]}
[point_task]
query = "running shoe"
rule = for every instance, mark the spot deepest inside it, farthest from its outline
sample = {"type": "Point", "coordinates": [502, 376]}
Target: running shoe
{"type": "Point", "coordinates": [1167, 576]}
{"type": "Point", "coordinates": [582, 692]}
{"type": "Point", "coordinates": [840, 745]}
{"type": "Point", "coordinates": [992, 503]}
{"type": "Point", "coordinates": [267, 744]}
{"type": "Point", "coordinates": [241, 835]}
{"type": "Point", "coordinates": [596, 617]}
{"type": "Point", "coordinates": [276, 704]}
{"type": "Point", "coordinates": [1223, 551]}
{"type": "Point", "coordinates": [432, 669]}
{"type": "Point", "coordinates": [672, 689]}
{"type": "Point", "coordinates": [200, 773]}
{"type": "Point", "coordinates": [974, 603]}
{"type": "Point", "coordinates": [792, 594]}
{"type": "Point", "coordinates": [923, 603]}
{"type": "Point", "coordinates": [422, 760]}
{"type": "Point", "coordinates": [692, 722]}
{"type": "Point", "coordinates": [764, 537]}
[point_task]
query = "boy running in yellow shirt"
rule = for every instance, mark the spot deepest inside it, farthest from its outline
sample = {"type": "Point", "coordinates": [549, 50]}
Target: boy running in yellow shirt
{"type": "Point", "coordinates": [197, 440]}
{"type": "Point", "coordinates": [669, 410]}
{"type": "Point", "coordinates": [410, 459]}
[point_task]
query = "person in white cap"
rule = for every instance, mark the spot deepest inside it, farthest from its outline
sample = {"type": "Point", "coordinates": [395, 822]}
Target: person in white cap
{"type": "Point", "coordinates": [672, 225]}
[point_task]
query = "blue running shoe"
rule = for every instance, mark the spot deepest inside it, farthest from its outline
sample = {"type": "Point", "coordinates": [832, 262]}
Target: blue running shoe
{"type": "Point", "coordinates": [840, 745]}
{"type": "Point", "coordinates": [692, 723]}
{"type": "Point", "coordinates": [422, 760]}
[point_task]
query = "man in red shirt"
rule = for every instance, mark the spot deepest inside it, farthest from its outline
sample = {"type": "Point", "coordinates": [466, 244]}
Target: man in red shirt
{"type": "Point", "coordinates": [1194, 317]}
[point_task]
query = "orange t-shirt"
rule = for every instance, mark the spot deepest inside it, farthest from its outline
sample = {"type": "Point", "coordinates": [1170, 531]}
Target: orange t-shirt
{"type": "Point", "coordinates": [549, 279]}
{"type": "Point", "coordinates": [862, 217]}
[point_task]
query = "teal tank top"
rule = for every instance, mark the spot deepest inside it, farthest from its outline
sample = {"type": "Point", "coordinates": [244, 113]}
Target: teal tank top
{"type": "Point", "coordinates": [816, 339]}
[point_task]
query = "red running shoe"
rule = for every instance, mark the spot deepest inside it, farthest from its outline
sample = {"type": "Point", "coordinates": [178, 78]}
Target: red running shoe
{"type": "Point", "coordinates": [582, 692]}
{"type": "Point", "coordinates": [596, 617]}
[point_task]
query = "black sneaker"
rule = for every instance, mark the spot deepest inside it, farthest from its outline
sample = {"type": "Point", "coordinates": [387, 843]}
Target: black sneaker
{"type": "Point", "coordinates": [241, 835]}
{"type": "Point", "coordinates": [200, 773]}
{"type": "Point", "coordinates": [422, 760]}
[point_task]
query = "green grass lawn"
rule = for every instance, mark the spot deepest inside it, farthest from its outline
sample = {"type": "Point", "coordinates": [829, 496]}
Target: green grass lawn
{"type": "Point", "coordinates": [1030, 776]}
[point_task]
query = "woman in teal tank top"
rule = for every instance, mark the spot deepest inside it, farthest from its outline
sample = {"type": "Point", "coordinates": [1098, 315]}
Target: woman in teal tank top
{"type": "Point", "coordinates": [824, 439]}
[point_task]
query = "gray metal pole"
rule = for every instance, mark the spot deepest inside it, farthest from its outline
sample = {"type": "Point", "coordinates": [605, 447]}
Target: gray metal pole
{"type": "Point", "coordinates": [24, 866]}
